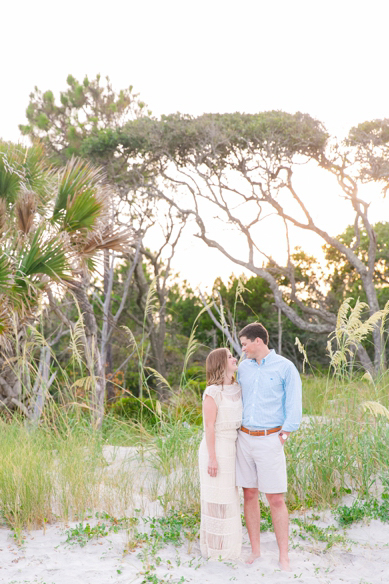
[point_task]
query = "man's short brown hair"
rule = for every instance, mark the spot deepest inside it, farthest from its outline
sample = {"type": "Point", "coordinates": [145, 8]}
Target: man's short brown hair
{"type": "Point", "coordinates": [253, 331]}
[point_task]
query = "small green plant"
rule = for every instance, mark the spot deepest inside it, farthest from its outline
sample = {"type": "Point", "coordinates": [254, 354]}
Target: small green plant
{"type": "Point", "coordinates": [81, 534]}
{"type": "Point", "coordinates": [359, 510]}
{"type": "Point", "coordinates": [153, 579]}
{"type": "Point", "coordinates": [174, 527]}
{"type": "Point", "coordinates": [326, 535]}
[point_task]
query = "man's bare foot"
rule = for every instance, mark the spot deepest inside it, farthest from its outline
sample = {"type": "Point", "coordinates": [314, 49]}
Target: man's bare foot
{"type": "Point", "coordinates": [285, 565]}
{"type": "Point", "coordinates": [252, 557]}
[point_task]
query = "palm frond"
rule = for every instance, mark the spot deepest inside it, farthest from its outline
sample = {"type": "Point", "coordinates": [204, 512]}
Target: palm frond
{"type": "Point", "coordinates": [37, 176]}
{"type": "Point", "coordinates": [5, 272]}
{"type": "Point", "coordinates": [4, 311]}
{"type": "Point", "coordinates": [25, 210]}
{"type": "Point", "coordinates": [22, 167]}
{"type": "Point", "coordinates": [82, 211]}
{"type": "Point", "coordinates": [115, 240]}
{"type": "Point", "coordinates": [10, 173]}
{"type": "Point", "coordinates": [44, 258]}
{"type": "Point", "coordinates": [3, 217]}
{"type": "Point", "coordinates": [77, 178]}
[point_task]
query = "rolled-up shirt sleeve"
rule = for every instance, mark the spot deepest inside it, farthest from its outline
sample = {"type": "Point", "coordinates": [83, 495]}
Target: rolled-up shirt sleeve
{"type": "Point", "coordinates": [293, 399]}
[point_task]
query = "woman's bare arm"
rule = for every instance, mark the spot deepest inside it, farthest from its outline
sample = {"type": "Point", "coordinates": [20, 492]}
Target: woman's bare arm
{"type": "Point", "coordinates": [210, 413]}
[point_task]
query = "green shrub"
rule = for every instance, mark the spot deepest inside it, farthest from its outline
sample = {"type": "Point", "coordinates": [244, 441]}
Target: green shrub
{"type": "Point", "coordinates": [138, 410]}
{"type": "Point", "coordinates": [132, 382]}
{"type": "Point", "coordinates": [195, 379]}
{"type": "Point", "coordinates": [186, 404]}
{"type": "Point", "coordinates": [195, 372]}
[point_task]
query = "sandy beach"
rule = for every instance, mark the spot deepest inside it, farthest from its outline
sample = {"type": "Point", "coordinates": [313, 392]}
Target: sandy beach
{"type": "Point", "coordinates": [45, 558]}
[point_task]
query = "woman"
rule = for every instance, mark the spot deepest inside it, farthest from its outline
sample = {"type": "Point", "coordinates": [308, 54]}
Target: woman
{"type": "Point", "coordinates": [221, 527]}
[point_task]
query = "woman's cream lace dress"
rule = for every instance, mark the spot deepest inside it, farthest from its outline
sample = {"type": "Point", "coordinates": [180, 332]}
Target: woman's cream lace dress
{"type": "Point", "coordinates": [221, 526]}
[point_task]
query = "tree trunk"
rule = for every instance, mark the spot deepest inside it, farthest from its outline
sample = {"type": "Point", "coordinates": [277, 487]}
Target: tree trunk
{"type": "Point", "coordinates": [10, 386]}
{"type": "Point", "coordinates": [108, 348]}
{"type": "Point", "coordinates": [157, 333]}
{"type": "Point", "coordinates": [11, 373]}
{"type": "Point", "coordinates": [41, 386]}
{"type": "Point", "coordinates": [379, 348]}
{"type": "Point", "coordinates": [93, 359]}
{"type": "Point", "coordinates": [279, 332]}
{"type": "Point", "coordinates": [157, 339]}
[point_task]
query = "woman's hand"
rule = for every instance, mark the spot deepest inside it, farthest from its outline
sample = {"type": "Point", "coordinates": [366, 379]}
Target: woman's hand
{"type": "Point", "coordinates": [212, 467]}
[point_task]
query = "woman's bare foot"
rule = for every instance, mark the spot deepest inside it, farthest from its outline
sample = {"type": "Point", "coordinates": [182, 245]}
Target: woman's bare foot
{"type": "Point", "coordinates": [252, 557]}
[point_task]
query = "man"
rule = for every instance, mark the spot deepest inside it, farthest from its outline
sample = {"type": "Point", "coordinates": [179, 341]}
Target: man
{"type": "Point", "coordinates": [272, 409]}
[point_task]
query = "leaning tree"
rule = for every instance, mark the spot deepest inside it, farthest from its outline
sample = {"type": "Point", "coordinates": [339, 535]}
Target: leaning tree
{"type": "Point", "coordinates": [241, 167]}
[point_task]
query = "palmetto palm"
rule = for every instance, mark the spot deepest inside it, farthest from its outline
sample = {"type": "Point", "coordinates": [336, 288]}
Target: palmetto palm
{"type": "Point", "coordinates": [52, 225]}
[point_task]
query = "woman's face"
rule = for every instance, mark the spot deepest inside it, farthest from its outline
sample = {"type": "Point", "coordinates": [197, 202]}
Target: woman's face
{"type": "Point", "coordinates": [231, 364]}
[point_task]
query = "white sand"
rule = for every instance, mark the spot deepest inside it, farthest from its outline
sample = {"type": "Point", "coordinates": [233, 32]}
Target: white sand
{"type": "Point", "coordinates": [45, 558]}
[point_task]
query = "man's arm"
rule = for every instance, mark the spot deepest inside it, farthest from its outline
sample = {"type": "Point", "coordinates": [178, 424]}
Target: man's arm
{"type": "Point", "coordinates": [293, 400]}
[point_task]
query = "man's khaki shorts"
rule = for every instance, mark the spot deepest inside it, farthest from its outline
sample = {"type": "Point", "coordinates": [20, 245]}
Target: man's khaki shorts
{"type": "Point", "coordinates": [260, 463]}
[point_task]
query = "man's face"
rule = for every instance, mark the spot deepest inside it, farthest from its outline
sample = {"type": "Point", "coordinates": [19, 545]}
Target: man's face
{"type": "Point", "coordinates": [250, 348]}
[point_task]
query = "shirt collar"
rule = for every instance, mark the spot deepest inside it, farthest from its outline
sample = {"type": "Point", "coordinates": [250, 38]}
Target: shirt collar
{"type": "Point", "coordinates": [269, 357]}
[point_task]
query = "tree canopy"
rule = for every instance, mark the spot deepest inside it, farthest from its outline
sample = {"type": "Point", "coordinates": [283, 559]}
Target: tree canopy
{"type": "Point", "coordinates": [242, 168]}
{"type": "Point", "coordinates": [247, 162]}
{"type": "Point", "coordinates": [85, 108]}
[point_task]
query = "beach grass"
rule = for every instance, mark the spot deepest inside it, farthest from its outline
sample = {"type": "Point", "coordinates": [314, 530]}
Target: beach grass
{"type": "Point", "coordinates": [63, 469]}
{"type": "Point", "coordinates": [59, 472]}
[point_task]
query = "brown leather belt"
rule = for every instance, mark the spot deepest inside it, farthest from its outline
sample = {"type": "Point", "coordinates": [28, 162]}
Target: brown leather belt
{"type": "Point", "coordinates": [261, 432]}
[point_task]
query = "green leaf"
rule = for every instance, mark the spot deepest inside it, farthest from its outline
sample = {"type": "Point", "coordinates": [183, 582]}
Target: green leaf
{"type": "Point", "coordinates": [5, 273]}
{"type": "Point", "coordinates": [42, 121]}
{"type": "Point", "coordinates": [78, 176]}
{"type": "Point", "coordinates": [83, 212]}
{"type": "Point", "coordinates": [44, 257]}
{"type": "Point", "coordinates": [22, 167]}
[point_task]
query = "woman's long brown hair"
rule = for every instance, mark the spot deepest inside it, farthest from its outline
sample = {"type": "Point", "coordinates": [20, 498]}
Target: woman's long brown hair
{"type": "Point", "coordinates": [215, 366]}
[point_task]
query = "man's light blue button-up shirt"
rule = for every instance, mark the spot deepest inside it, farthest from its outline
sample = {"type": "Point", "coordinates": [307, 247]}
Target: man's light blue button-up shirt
{"type": "Point", "coordinates": [271, 393]}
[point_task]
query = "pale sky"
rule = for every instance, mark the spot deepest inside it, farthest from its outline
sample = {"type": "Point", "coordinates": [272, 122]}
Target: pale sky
{"type": "Point", "coordinates": [328, 59]}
